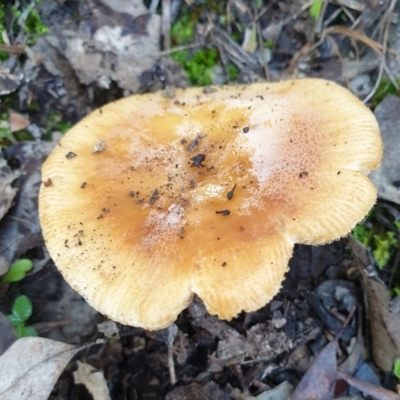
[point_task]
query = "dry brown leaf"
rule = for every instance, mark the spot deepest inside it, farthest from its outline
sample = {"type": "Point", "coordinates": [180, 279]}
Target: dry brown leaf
{"type": "Point", "coordinates": [319, 380]}
{"type": "Point", "coordinates": [376, 392]}
{"type": "Point", "coordinates": [7, 192]}
{"type": "Point", "coordinates": [17, 121]}
{"type": "Point", "coordinates": [93, 380]}
{"type": "Point", "coordinates": [31, 366]}
{"type": "Point", "coordinates": [386, 177]}
{"type": "Point", "coordinates": [384, 325]}
{"type": "Point", "coordinates": [7, 337]}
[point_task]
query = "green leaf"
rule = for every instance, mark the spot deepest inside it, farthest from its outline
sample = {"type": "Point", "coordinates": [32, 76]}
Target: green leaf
{"type": "Point", "coordinates": [396, 368]}
{"type": "Point", "coordinates": [22, 308]}
{"type": "Point", "coordinates": [13, 320]}
{"type": "Point", "coordinates": [19, 329]}
{"type": "Point", "coordinates": [28, 331]}
{"type": "Point", "coordinates": [17, 271]}
{"type": "Point", "coordinates": [315, 9]}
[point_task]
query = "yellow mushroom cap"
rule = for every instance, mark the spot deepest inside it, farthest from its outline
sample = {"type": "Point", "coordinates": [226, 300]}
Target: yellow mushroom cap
{"type": "Point", "coordinates": [149, 200]}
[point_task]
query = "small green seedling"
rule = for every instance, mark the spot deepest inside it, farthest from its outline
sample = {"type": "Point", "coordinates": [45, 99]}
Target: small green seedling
{"type": "Point", "coordinates": [20, 312]}
{"type": "Point", "coordinates": [315, 9]}
{"type": "Point", "coordinates": [17, 271]}
{"type": "Point", "coordinates": [396, 368]}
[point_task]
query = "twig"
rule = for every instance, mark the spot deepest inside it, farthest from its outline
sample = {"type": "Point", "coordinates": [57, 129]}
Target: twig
{"type": "Point", "coordinates": [318, 25]}
{"type": "Point", "coordinates": [172, 329]}
{"type": "Point", "coordinates": [384, 48]}
{"type": "Point", "coordinates": [261, 46]}
{"type": "Point", "coordinates": [13, 49]}
{"type": "Point", "coordinates": [153, 6]}
{"type": "Point", "coordinates": [337, 52]}
{"type": "Point", "coordinates": [166, 24]}
{"type": "Point", "coordinates": [261, 13]}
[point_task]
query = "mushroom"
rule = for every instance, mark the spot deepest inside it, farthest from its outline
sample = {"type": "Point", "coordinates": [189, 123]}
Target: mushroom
{"type": "Point", "coordinates": [205, 193]}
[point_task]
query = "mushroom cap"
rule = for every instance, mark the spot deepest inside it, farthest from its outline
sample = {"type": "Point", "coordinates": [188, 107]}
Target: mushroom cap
{"type": "Point", "coordinates": [149, 200]}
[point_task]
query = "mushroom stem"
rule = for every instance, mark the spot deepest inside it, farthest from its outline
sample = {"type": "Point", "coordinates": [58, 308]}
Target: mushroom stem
{"type": "Point", "coordinates": [172, 331]}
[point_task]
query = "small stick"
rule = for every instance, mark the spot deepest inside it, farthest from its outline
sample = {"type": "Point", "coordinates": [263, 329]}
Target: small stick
{"type": "Point", "coordinates": [172, 331]}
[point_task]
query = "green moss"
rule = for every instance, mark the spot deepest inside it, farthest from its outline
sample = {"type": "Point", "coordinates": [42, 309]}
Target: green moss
{"type": "Point", "coordinates": [233, 72]}
{"type": "Point", "coordinates": [385, 87]}
{"type": "Point", "coordinates": [55, 122]}
{"type": "Point", "coordinates": [269, 44]}
{"type": "Point", "coordinates": [199, 64]}
{"type": "Point", "coordinates": [33, 26]}
{"type": "Point", "coordinates": [3, 54]}
{"type": "Point", "coordinates": [381, 241]}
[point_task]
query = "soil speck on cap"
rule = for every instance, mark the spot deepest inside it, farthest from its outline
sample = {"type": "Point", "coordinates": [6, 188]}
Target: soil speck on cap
{"type": "Point", "coordinates": [197, 160]}
{"type": "Point", "coordinates": [209, 90]}
{"type": "Point", "coordinates": [223, 212]}
{"type": "Point", "coordinates": [99, 146]}
{"type": "Point", "coordinates": [195, 142]}
{"type": "Point", "coordinates": [47, 183]}
{"type": "Point", "coordinates": [246, 129]}
{"type": "Point", "coordinates": [83, 185]}
{"type": "Point", "coordinates": [154, 196]}
{"type": "Point", "coordinates": [303, 174]}
{"type": "Point", "coordinates": [70, 155]}
{"type": "Point", "coordinates": [230, 194]}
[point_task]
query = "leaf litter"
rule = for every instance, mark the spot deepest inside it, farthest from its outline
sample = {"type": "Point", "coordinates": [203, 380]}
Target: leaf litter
{"type": "Point", "coordinates": [31, 366]}
{"type": "Point", "coordinates": [254, 352]}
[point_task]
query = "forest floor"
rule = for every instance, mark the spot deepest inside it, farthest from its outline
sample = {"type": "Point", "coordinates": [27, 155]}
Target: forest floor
{"type": "Point", "coordinates": [333, 331]}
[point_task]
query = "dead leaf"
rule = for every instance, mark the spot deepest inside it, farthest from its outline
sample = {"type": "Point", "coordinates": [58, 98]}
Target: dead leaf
{"type": "Point", "coordinates": [30, 368]}
{"type": "Point", "coordinates": [8, 336]}
{"type": "Point", "coordinates": [263, 341]}
{"type": "Point", "coordinates": [20, 229]}
{"type": "Point", "coordinates": [9, 81]}
{"type": "Point", "coordinates": [194, 391]}
{"type": "Point", "coordinates": [17, 121]}
{"type": "Point", "coordinates": [93, 380]}
{"type": "Point", "coordinates": [7, 192]}
{"type": "Point", "coordinates": [384, 325]}
{"type": "Point", "coordinates": [109, 329]}
{"type": "Point", "coordinates": [387, 176]}
{"type": "Point", "coordinates": [368, 388]}
{"type": "Point", "coordinates": [280, 392]}
{"type": "Point", "coordinates": [108, 46]}
{"type": "Point", "coordinates": [132, 7]}
{"type": "Point", "coordinates": [319, 381]}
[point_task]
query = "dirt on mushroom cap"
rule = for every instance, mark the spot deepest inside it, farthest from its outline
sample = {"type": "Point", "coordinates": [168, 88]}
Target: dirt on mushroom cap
{"type": "Point", "coordinates": [153, 223]}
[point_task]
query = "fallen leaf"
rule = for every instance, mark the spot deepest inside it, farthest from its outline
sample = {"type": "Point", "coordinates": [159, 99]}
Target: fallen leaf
{"type": "Point", "coordinates": [7, 192]}
{"type": "Point", "coordinates": [31, 366]}
{"type": "Point", "coordinates": [132, 7]}
{"type": "Point", "coordinates": [108, 46]}
{"type": "Point", "coordinates": [263, 341]}
{"type": "Point", "coordinates": [319, 381]}
{"type": "Point", "coordinates": [8, 336]}
{"type": "Point", "coordinates": [9, 81]}
{"type": "Point", "coordinates": [194, 391]}
{"type": "Point", "coordinates": [93, 380]}
{"type": "Point", "coordinates": [384, 325]}
{"type": "Point", "coordinates": [17, 121]}
{"type": "Point", "coordinates": [20, 229]}
{"type": "Point", "coordinates": [387, 176]}
{"type": "Point", "coordinates": [377, 392]}
{"type": "Point", "coordinates": [280, 392]}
